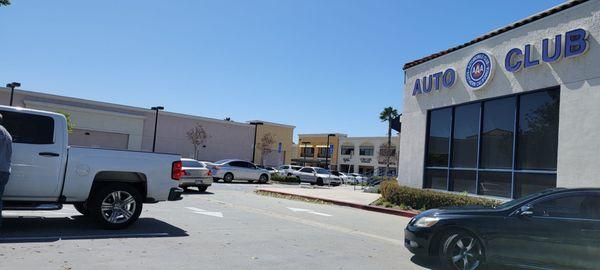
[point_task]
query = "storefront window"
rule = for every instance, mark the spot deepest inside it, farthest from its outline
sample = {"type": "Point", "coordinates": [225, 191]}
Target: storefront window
{"type": "Point", "coordinates": [366, 150]}
{"type": "Point", "coordinates": [347, 150]}
{"type": "Point", "coordinates": [486, 159]}
{"type": "Point", "coordinates": [538, 131]}
{"type": "Point", "coordinates": [439, 137]}
{"type": "Point", "coordinates": [307, 152]}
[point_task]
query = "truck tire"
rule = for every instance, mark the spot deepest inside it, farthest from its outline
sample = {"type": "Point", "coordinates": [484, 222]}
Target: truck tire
{"type": "Point", "coordinates": [82, 208]}
{"type": "Point", "coordinates": [115, 206]}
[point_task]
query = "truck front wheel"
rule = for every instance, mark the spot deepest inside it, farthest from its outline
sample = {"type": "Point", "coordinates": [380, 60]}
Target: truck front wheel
{"type": "Point", "coordinates": [115, 206]}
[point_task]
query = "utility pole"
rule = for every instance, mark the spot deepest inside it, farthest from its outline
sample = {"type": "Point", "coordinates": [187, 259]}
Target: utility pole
{"type": "Point", "coordinates": [157, 108]}
{"type": "Point", "coordinates": [255, 124]}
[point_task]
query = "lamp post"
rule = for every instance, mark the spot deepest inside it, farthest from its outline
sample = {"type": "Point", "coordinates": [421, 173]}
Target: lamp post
{"type": "Point", "coordinates": [327, 154]}
{"type": "Point", "coordinates": [255, 124]}
{"type": "Point", "coordinates": [305, 145]}
{"type": "Point", "coordinates": [12, 87]}
{"type": "Point", "coordinates": [157, 108]}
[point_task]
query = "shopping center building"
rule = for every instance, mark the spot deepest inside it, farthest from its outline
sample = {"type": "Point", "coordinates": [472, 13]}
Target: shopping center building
{"type": "Point", "coordinates": [511, 112]}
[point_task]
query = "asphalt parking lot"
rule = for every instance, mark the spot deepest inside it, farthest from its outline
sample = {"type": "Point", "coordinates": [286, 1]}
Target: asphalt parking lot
{"type": "Point", "coordinates": [228, 227]}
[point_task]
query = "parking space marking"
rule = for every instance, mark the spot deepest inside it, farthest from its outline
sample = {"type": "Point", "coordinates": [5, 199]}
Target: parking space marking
{"type": "Point", "coordinates": [204, 212]}
{"type": "Point", "coordinates": [308, 211]}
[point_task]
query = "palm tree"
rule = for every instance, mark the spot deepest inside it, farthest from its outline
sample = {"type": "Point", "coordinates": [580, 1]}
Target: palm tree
{"type": "Point", "coordinates": [4, 2]}
{"type": "Point", "coordinates": [388, 114]}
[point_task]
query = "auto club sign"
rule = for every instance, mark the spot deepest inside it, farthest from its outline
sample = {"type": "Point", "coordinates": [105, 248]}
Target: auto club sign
{"type": "Point", "coordinates": [481, 67]}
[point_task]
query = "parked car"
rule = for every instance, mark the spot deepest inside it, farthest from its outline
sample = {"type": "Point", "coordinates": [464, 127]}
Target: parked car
{"type": "Point", "coordinates": [358, 178]}
{"type": "Point", "coordinates": [108, 185]}
{"type": "Point", "coordinates": [270, 169]}
{"type": "Point", "coordinates": [344, 177]}
{"type": "Point", "coordinates": [318, 176]}
{"type": "Point", "coordinates": [288, 170]}
{"type": "Point", "coordinates": [235, 169]}
{"type": "Point", "coordinates": [552, 229]}
{"type": "Point", "coordinates": [196, 174]}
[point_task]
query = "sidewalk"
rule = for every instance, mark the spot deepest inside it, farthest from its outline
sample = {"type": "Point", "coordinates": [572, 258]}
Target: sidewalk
{"type": "Point", "coordinates": [342, 195]}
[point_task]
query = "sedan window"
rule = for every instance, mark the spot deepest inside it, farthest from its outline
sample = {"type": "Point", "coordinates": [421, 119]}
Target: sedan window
{"type": "Point", "coordinates": [322, 171]}
{"type": "Point", "coordinates": [573, 206]}
{"type": "Point", "coordinates": [307, 170]}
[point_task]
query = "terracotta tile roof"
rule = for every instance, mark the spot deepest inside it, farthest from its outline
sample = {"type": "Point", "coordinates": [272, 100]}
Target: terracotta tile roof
{"type": "Point", "coordinates": [525, 21]}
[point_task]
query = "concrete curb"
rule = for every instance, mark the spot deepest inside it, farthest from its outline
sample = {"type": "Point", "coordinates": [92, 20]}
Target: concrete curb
{"type": "Point", "coordinates": [390, 211]}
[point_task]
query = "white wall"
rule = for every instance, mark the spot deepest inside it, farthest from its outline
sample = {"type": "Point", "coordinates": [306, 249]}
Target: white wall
{"type": "Point", "coordinates": [579, 80]}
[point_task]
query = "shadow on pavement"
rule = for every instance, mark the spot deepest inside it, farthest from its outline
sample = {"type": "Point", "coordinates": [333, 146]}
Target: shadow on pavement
{"type": "Point", "coordinates": [51, 229]}
{"type": "Point", "coordinates": [426, 262]}
{"type": "Point", "coordinates": [243, 182]}
{"type": "Point", "coordinates": [196, 192]}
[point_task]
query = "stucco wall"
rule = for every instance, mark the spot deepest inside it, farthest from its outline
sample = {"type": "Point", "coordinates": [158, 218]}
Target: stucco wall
{"type": "Point", "coordinates": [281, 134]}
{"type": "Point", "coordinates": [578, 78]}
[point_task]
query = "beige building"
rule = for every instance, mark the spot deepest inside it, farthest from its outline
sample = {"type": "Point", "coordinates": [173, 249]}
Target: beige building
{"type": "Point", "coordinates": [368, 155]}
{"type": "Point", "coordinates": [312, 149]}
{"type": "Point", "coordinates": [279, 149]}
{"type": "Point", "coordinates": [107, 125]}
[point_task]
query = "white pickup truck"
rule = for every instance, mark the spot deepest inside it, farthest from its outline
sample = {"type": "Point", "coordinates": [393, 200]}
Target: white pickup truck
{"type": "Point", "coordinates": [109, 186]}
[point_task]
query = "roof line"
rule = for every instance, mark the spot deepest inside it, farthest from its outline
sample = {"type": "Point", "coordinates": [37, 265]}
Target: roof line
{"type": "Point", "coordinates": [497, 32]}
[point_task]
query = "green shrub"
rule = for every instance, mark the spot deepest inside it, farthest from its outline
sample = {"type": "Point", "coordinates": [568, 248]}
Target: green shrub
{"type": "Point", "coordinates": [286, 179]}
{"type": "Point", "coordinates": [422, 199]}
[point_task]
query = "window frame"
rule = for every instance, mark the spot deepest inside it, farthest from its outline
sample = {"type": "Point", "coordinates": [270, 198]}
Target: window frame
{"type": "Point", "coordinates": [513, 170]}
{"type": "Point", "coordinates": [563, 195]}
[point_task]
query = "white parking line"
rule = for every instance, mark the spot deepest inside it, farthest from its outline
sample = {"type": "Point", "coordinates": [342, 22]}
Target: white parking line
{"type": "Point", "coordinates": [308, 211]}
{"type": "Point", "coordinates": [204, 212]}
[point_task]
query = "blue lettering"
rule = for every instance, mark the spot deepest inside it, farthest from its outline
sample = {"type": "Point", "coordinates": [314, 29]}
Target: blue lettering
{"type": "Point", "coordinates": [527, 63]}
{"type": "Point", "coordinates": [448, 78]}
{"type": "Point", "coordinates": [575, 42]}
{"type": "Point", "coordinates": [427, 86]}
{"type": "Point", "coordinates": [546, 52]}
{"type": "Point", "coordinates": [437, 76]}
{"type": "Point", "coordinates": [510, 67]}
{"type": "Point", "coordinates": [417, 88]}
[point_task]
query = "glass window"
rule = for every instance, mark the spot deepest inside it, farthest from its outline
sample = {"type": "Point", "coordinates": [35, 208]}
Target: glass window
{"type": "Point", "coordinates": [497, 133]}
{"type": "Point", "coordinates": [465, 134]}
{"type": "Point", "coordinates": [439, 136]}
{"type": "Point", "coordinates": [463, 181]}
{"type": "Point", "coordinates": [307, 170]}
{"type": "Point", "coordinates": [495, 183]}
{"type": "Point", "coordinates": [322, 152]}
{"type": "Point", "coordinates": [192, 164]}
{"type": "Point", "coordinates": [563, 207]}
{"type": "Point", "coordinates": [537, 144]}
{"type": "Point", "coordinates": [29, 128]}
{"type": "Point", "coordinates": [237, 164]}
{"type": "Point", "coordinates": [307, 151]}
{"type": "Point", "coordinates": [366, 150]}
{"type": "Point", "coordinates": [527, 183]}
{"type": "Point", "coordinates": [347, 150]}
{"type": "Point", "coordinates": [436, 179]}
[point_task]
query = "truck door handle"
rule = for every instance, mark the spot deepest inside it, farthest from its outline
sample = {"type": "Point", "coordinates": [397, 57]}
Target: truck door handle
{"type": "Point", "coordinates": [48, 154]}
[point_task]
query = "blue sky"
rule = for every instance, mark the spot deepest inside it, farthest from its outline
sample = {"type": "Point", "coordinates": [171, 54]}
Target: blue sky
{"type": "Point", "coordinates": [323, 66]}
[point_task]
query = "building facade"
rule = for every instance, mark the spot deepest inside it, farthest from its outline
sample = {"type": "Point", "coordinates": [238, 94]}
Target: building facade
{"type": "Point", "coordinates": [274, 143]}
{"type": "Point", "coordinates": [113, 126]}
{"type": "Point", "coordinates": [509, 113]}
{"type": "Point", "coordinates": [368, 155]}
{"type": "Point", "coordinates": [312, 150]}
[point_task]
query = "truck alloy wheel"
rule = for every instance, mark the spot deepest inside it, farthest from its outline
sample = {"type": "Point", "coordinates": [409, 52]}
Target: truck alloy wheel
{"type": "Point", "coordinates": [116, 206]}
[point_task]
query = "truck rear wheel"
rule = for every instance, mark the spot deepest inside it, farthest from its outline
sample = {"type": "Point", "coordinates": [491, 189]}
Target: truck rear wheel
{"type": "Point", "coordinates": [116, 206]}
{"type": "Point", "coordinates": [82, 208]}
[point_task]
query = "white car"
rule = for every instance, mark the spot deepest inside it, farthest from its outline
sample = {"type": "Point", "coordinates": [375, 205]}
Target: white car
{"type": "Point", "coordinates": [196, 174]}
{"type": "Point", "coordinates": [109, 186]}
{"type": "Point", "coordinates": [288, 170]}
{"type": "Point", "coordinates": [358, 178]}
{"type": "Point", "coordinates": [235, 169]}
{"type": "Point", "coordinates": [318, 176]}
{"type": "Point", "coordinates": [344, 177]}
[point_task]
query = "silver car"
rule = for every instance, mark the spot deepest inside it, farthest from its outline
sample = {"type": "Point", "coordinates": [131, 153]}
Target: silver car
{"type": "Point", "coordinates": [318, 176]}
{"type": "Point", "coordinates": [196, 174]}
{"type": "Point", "coordinates": [288, 170]}
{"type": "Point", "coordinates": [235, 169]}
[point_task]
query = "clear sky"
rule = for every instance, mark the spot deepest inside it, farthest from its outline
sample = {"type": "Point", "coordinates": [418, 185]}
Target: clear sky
{"type": "Point", "coordinates": [321, 65]}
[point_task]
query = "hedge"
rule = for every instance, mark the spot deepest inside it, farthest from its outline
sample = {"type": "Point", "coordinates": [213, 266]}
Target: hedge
{"type": "Point", "coordinates": [287, 179]}
{"type": "Point", "coordinates": [422, 199]}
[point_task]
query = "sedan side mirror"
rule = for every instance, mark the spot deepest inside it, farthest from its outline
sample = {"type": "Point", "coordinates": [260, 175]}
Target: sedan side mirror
{"type": "Point", "coordinates": [526, 211]}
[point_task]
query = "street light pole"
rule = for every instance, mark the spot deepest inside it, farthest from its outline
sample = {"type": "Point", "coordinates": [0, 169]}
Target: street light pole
{"type": "Point", "coordinates": [327, 154]}
{"type": "Point", "coordinates": [305, 146]}
{"type": "Point", "coordinates": [12, 87]}
{"type": "Point", "coordinates": [157, 108]}
{"type": "Point", "coordinates": [256, 124]}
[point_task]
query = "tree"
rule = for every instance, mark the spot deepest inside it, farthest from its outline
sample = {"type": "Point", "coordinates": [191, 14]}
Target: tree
{"type": "Point", "coordinates": [227, 119]}
{"type": "Point", "coordinates": [197, 136]}
{"type": "Point", "coordinates": [266, 146]}
{"type": "Point", "coordinates": [70, 125]}
{"type": "Point", "coordinates": [388, 114]}
{"type": "Point", "coordinates": [4, 2]}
